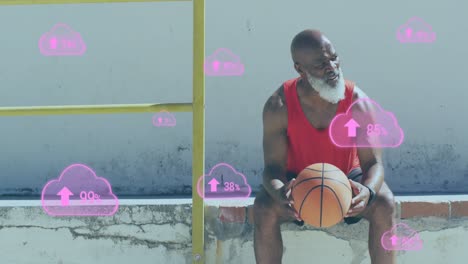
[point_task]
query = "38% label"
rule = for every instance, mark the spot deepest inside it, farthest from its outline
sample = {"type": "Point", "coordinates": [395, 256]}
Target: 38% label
{"type": "Point", "coordinates": [231, 187]}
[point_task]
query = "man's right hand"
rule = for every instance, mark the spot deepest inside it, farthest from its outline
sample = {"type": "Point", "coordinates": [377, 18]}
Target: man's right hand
{"type": "Point", "coordinates": [281, 193]}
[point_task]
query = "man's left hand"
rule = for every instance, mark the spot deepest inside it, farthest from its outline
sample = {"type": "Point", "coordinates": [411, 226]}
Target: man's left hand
{"type": "Point", "coordinates": [361, 197]}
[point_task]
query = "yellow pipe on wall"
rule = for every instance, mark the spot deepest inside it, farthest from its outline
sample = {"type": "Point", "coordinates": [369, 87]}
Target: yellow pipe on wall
{"type": "Point", "coordinates": [49, 2]}
{"type": "Point", "coordinates": [198, 146]}
{"type": "Point", "coordinates": [197, 107]}
{"type": "Point", "coordinates": [94, 109]}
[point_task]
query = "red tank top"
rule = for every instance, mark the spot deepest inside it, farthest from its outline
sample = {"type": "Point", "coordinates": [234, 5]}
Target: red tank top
{"type": "Point", "coordinates": [306, 144]}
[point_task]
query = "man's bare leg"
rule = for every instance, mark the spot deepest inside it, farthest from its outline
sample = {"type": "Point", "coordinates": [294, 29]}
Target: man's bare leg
{"type": "Point", "coordinates": [268, 242]}
{"type": "Point", "coordinates": [381, 217]}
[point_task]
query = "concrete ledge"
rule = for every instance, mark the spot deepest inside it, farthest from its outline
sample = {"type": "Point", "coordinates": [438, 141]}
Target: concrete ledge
{"type": "Point", "coordinates": [447, 207]}
{"type": "Point", "coordinates": [123, 202]}
{"type": "Point", "coordinates": [159, 231]}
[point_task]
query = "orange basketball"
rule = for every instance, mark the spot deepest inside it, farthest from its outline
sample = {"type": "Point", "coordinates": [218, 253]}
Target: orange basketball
{"type": "Point", "coordinates": [322, 195]}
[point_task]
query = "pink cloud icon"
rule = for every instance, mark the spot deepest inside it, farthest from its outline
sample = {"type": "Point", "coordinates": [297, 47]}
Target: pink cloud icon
{"type": "Point", "coordinates": [224, 182]}
{"type": "Point", "coordinates": [79, 192]}
{"type": "Point", "coordinates": [61, 40]}
{"type": "Point", "coordinates": [414, 31]}
{"type": "Point", "coordinates": [401, 237]}
{"type": "Point", "coordinates": [365, 124]}
{"type": "Point", "coordinates": [164, 119]}
{"type": "Point", "coordinates": [223, 63]}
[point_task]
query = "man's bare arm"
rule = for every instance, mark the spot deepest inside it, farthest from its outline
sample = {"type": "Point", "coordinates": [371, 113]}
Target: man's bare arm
{"type": "Point", "coordinates": [372, 167]}
{"type": "Point", "coordinates": [370, 158]}
{"type": "Point", "coordinates": [275, 145]}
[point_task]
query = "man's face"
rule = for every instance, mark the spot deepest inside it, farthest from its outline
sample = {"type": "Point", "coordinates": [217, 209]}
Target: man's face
{"type": "Point", "coordinates": [331, 93]}
{"type": "Point", "coordinates": [322, 70]}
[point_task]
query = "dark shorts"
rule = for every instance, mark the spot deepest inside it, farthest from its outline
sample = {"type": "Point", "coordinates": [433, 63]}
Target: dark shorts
{"type": "Point", "coordinates": [355, 175]}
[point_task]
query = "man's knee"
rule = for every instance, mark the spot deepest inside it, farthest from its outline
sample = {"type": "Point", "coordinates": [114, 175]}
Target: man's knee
{"type": "Point", "coordinates": [384, 204]}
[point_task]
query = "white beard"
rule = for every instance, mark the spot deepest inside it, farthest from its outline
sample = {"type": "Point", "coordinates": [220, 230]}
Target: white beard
{"type": "Point", "coordinates": [327, 92]}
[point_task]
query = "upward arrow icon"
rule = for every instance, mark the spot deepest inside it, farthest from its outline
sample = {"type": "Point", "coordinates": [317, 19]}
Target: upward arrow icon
{"type": "Point", "coordinates": [214, 185]}
{"type": "Point", "coordinates": [65, 194]}
{"type": "Point", "coordinates": [351, 125]}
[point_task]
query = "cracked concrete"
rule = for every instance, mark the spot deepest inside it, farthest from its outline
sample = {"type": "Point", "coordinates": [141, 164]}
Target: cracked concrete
{"type": "Point", "coordinates": [443, 242]}
{"type": "Point", "coordinates": [161, 233]}
{"type": "Point", "coordinates": [142, 233]}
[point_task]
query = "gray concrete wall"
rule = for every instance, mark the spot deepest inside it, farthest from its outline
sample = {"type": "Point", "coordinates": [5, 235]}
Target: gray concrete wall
{"type": "Point", "coordinates": [141, 53]}
{"type": "Point", "coordinates": [158, 231]}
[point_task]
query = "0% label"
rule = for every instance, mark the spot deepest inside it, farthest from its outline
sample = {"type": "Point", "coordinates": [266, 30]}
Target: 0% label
{"type": "Point", "coordinates": [89, 197]}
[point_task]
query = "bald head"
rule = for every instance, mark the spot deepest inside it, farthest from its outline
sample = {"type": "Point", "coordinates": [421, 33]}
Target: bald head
{"type": "Point", "coordinates": [309, 40]}
{"type": "Point", "coordinates": [316, 61]}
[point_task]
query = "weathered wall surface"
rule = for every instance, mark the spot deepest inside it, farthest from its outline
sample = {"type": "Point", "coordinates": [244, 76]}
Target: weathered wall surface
{"type": "Point", "coordinates": [141, 53]}
{"type": "Point", "coordinates": [158, 231]}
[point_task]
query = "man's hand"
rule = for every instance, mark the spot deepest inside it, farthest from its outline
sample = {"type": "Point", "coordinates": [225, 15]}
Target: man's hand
{"type": "Point", "coordinates": [361, 197]}
{"type": "Point", "coordinates": [282, 194]}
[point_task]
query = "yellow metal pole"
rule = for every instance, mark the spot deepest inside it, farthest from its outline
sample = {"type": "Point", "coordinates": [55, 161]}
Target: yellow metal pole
{"type": "Point", "coordinates": [94, 109]}
{"type": "Point", "coordinates": [48, 2]}
{"type": "Point", "coordinates": [198, 159]}
{"type": "Point", "coordinates": [197, 106]}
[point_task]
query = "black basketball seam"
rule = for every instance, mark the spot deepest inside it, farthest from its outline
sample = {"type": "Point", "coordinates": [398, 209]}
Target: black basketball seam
{"type": "Point", "coordinates": [319, 170]}
{"type": "Point", "coordinates": [321, 197]}
{"type": "Point", "coordinates": [339, 182]}
{"type": "Point", "coordinates": [304, 180]}
{"type": "Point", "coordinates": [338, 200]}
{"type": "Point", "coordinates": [315, 178]}
{"type": "Point", "coordinates": [305, 198]}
